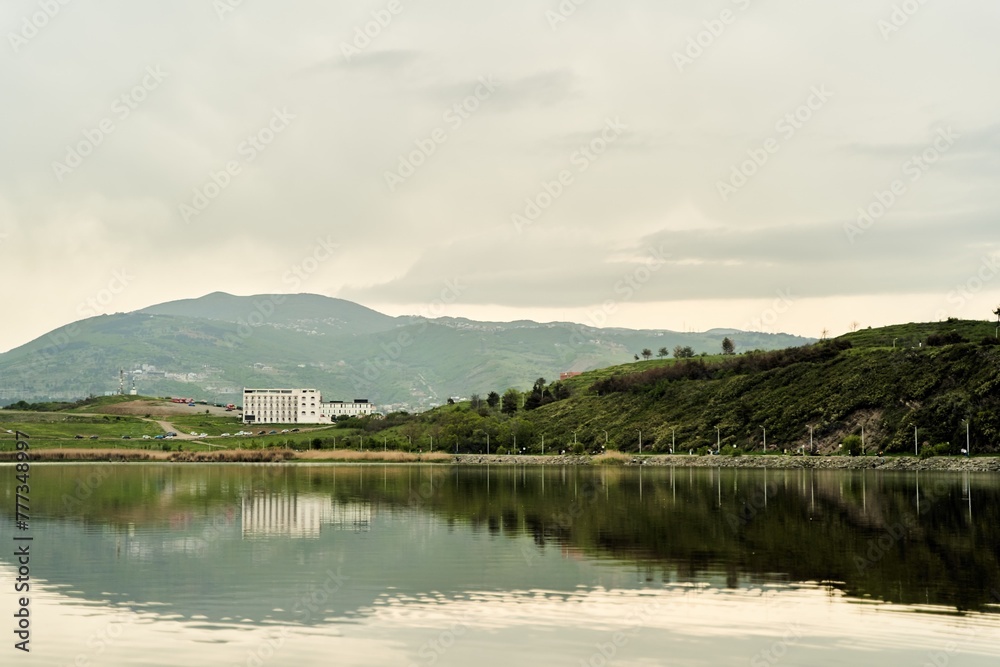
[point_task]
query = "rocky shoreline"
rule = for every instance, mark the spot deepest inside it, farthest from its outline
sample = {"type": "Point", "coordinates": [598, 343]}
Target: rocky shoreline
{"type": "Point", "coordinates": [958, 464]}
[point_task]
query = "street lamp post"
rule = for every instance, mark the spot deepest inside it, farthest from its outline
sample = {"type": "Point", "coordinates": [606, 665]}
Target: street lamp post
{"type": "Point", "coordinates": [764, 429]}
{"type": "Point", "coordinates": [812, 450]}
{"type": "Point", "coordinates": [915, 452]}
{"type": "Point", "coordinates": [640, 441]}
{"type": "Point", "coordinates": [605, 439]}
{"type": "Point", "coordinates": [673, 438]}
{"type": "Point", "coordinates": [718, 440]}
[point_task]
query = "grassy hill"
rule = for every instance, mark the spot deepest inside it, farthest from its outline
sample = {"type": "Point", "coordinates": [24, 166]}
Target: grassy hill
{"type": "Point", "coordinates": [836, 387]}
{"type": "Point", "coordinates": [940, 378]}
{"type": "Point", "coordinates": [210, 348]}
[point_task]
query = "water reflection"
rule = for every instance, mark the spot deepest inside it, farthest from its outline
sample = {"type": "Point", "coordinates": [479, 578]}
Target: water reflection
{"type": "Point", "coordinates": [388, 560]}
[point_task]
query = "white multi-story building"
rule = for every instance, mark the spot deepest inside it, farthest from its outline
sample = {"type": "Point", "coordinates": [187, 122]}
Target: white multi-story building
{"type": "Point", "coordinates": [298, 406]}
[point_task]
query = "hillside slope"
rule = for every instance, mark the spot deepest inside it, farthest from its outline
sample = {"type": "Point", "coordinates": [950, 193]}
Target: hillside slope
{"type": "Point", "coordinates": [836, 387]}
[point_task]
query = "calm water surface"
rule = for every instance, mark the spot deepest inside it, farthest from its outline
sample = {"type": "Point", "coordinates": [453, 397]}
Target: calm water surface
{"type": "Point", "coordinates": [378, 565]}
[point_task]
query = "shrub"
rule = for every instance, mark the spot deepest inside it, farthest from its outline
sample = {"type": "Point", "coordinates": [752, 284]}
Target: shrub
{"type": "Point", "coordinates": [950, 338]}
{"type": "Point", "coordinates": [852, 445]}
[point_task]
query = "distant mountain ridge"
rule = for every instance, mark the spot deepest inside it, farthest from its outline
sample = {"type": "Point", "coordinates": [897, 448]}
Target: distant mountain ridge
{"type": "Point", "coordinates": [212, 346]}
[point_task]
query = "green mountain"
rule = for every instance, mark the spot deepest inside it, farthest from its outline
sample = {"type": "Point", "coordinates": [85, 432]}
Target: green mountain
{"type": "Point", "coordinates": [211, 347]}
{"type": "Point", "coordinates": [906, 385]}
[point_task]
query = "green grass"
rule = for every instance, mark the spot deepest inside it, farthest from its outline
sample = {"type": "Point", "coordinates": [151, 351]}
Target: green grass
{"type": "Point", "coordinates": [915, 334]}
{"type": "Point", "coordinates": [60, 425]}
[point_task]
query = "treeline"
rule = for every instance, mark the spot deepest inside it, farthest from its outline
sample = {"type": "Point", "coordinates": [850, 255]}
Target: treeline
{"type": "Point", "coordinates": [698, 369]}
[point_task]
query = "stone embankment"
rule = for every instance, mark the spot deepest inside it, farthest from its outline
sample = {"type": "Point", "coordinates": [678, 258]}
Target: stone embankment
{"type": "Point", "coordinates": [960, 464]}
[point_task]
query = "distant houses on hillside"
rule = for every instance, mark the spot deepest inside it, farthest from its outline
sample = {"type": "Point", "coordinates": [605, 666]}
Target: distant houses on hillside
{"type": "Point", "coordinates": [298, 406]}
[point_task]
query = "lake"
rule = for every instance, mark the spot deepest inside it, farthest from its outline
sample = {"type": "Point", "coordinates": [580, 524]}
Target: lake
{"type": "Point", "coordinates": [281, 565]}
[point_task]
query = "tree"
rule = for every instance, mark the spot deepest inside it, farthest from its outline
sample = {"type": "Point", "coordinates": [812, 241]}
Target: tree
{"type": "Point", "coordinates": [663, 352]}
{"type": "Point", "coordinates": [728, 346]}
{"type": "Point", "coordinates": [997, 313]}
{"type": "Point", "coordinates": [636, 357]}
{"type": "Point", "coordinates": [508, 404]}
{"type": "Point", "coordinates": [646, 353]}
{"type": "Point", "coordinates": [475, 401]}
{"type": "Point", "coordinates": [683, 352]}
{"type": "Point", "coordinates": [493, 399]}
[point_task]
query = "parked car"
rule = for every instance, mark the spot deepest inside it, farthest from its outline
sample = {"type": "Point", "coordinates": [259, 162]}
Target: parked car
{"type": "Point", "coordinates": [78, 437]}
{"type": "Point", "coordinates": [171, 434]}
{"type": "Point", "coordinates": [272, 432]}
{"type": "Point", "coordinates": [93, 437]}
{"type": "Point", "coordinates": [126, 437]}
{"type": "Point", "coordinates": [295, 430]}
{"type": "Point", "coordinates": [226, 435]}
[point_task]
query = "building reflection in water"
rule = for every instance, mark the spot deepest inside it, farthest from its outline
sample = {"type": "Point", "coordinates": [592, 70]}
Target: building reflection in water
{"type": "Point", "coordinates": [300, 515]}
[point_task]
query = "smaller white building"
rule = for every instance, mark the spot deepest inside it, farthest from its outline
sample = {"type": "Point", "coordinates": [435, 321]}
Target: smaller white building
{"type": "Point", "coordinates": [298, 406]}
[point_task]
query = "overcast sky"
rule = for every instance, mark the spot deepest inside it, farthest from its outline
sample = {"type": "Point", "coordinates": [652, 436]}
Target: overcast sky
{"type": "Point", "coordinates": [680, 165]}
